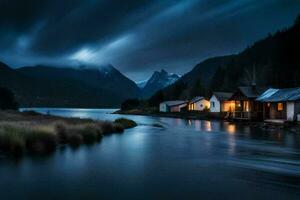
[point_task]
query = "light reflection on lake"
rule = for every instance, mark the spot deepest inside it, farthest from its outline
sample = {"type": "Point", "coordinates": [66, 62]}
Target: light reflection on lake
{"type": "Point", "coordinates": [186, 159]}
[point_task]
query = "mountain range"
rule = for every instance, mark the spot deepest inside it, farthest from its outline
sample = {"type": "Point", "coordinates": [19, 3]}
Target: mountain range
{"type": "Point", "coordinates": [104, 86]}
{"type": "Point", "coordinates": [67, 87]}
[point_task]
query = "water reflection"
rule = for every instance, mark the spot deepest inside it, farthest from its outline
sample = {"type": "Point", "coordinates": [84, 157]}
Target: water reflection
{"type": "Point", "coordinates": [232, 145]}
{"type": "Point", "coordinates": [151, 162]}
{"type": "Point", "coordinates": [211, 126]}
{"type": "Point", "coordinates": [197, 125]}
{"type": "Point", "coordinates": [207, 126]}
{"type": "Point", "coordinates": [231, 128]}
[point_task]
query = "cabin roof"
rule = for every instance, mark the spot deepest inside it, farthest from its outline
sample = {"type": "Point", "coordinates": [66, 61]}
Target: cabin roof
{"type": "Point", "coordinates": [252, 91]}
{"type": "Point", "coordinates": [196, 99]}
{"type": "Point", "coordinates": [277, 95]}
{"type": "Point", "coordinates": [267, 94]}
{"type": "Point", "coordinates": [174, 103]}
{"type": "Point", "coordinates": [222, 96]}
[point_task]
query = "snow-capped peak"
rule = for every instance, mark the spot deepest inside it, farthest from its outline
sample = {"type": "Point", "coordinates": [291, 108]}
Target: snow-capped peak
{"type": "Point", "coordinates": [159, 80]}
{"type": "Point", "coordinates": [141, 84]}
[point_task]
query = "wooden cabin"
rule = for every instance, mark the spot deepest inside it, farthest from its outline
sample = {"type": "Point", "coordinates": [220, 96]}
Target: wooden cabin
{"type": "Point", "coordinates": [219, 102]}
{"type": "Point", "coordinates": [245, 105]}
{"type": "Point", "coordinates": [198, 104]}
{"type": "Point", "coordinates": [172, 106]}
{"type": "Point", "coordinates": [280, 105]}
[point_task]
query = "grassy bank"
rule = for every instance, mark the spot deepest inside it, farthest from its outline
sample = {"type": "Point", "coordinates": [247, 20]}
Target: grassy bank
{"type": "Point", "coordinates": [33, 133]}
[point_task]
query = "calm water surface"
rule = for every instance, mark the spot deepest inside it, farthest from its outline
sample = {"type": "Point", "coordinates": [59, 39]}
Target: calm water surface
{"type": "Point", "coordinates": [187, 159]}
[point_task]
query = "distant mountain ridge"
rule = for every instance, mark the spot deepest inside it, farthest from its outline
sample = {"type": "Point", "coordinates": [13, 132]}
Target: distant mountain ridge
{"type": "Point", "coordinates": [68, 87]}
{"type": "Point", "coordinates": [105, 77]}
{"type": "Point", "coordinates": [158, 81]}
{"type": "Point", "coordinates": [52, 86]}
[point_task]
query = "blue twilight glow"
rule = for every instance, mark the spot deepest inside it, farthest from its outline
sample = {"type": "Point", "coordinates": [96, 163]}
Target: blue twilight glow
{"type": "Point", "coordinates": [137, 37]}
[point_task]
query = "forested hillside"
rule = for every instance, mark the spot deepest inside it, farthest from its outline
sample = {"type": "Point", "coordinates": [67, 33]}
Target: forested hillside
{"type": "Point", "coordinates": [273, 61]}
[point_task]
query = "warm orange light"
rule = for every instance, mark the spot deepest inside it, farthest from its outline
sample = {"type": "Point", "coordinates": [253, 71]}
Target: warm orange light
{"type": "Point", "coordinates": [246, 106]}
{"type": "Point", "coordinates": [232, 106]}
{"type": "Point", "coordinates": [231, 128]}
{"type": "Point", "coordinates": [227, 106]}
{"type": "Point", "coordinates": [280, 106]}
{"type": "Point", "coordinates": [191, 106]}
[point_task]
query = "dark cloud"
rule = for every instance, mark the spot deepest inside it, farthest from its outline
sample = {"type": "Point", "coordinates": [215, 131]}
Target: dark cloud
{"type": "Point", "coordinates": [137, 36]}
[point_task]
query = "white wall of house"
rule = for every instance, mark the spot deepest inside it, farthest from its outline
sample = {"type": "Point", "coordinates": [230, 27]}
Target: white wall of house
{"type": "Point", "coordinates": [201, 105]}
{"type": "Point", "coordinates": [163, 107]}
{"type": "Point", "coordinates": [290, 111]}
{"type": "Point", "coordinates": [215, 105]}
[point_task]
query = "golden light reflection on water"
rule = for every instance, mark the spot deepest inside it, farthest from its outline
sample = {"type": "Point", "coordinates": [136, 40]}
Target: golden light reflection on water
{"type": "Point", "coordinates": [231, 128]}
{"type": "Point", "coordinates": [207, 126]}
{"type": "Point", "coordinates": [210, 126]}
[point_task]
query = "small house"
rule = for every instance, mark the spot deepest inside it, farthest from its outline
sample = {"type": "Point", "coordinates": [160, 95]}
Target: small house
{"type": "Point", "coordinates": [198, 104]}
{"type": "Point", "coordinates": [172, 106]}
{"type": "Point", "coordinates": [219, 102]}
{"type": "Point", "coordinates": [281, 104]}
{"type": "Point", "coordinates": [245, 104]}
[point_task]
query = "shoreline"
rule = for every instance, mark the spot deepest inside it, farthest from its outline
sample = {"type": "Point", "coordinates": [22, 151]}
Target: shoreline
{"type": "Point", "coordinates": [292, 127]}
{"type": "Point", "coordinates": [30, 132]}
{"type": "Point", "coordinates": [181, 115]}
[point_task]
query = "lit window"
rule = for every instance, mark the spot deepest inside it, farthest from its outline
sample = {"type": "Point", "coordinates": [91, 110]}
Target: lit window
{"type": "Point", "coordinates": [191, 106]}
{"type": "Point", "coordinates": [280, 106]}
{"type": "Point", "coordinates": [246, 106]}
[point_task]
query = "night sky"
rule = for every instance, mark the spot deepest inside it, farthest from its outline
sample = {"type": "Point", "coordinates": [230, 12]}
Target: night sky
{"type": "Point", "coordinates": [137, 37]}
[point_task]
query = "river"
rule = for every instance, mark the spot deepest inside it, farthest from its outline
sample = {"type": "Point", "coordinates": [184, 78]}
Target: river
{"type": "Point", "coordinates": [186, 159]}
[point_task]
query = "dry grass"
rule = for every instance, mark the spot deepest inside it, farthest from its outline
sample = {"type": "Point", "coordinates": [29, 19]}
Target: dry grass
{"type": "Point", "coordinates": [17, 139]}
{"type": "Point", "coordinates": [86, 133]}
{"type": "Point", "coordinates": [39, 134]}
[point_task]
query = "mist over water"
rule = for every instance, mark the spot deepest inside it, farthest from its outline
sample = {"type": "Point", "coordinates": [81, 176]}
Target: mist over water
{"type": "Point", "coordinates": [186, 159]}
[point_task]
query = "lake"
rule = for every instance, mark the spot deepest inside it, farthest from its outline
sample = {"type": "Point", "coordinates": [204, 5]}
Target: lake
{"type": "Point", "coordinates": [187, 159]}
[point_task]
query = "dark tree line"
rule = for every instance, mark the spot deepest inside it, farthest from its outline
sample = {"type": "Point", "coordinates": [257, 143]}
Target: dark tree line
{"type": "Point", "coordinates": [7, 100]}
